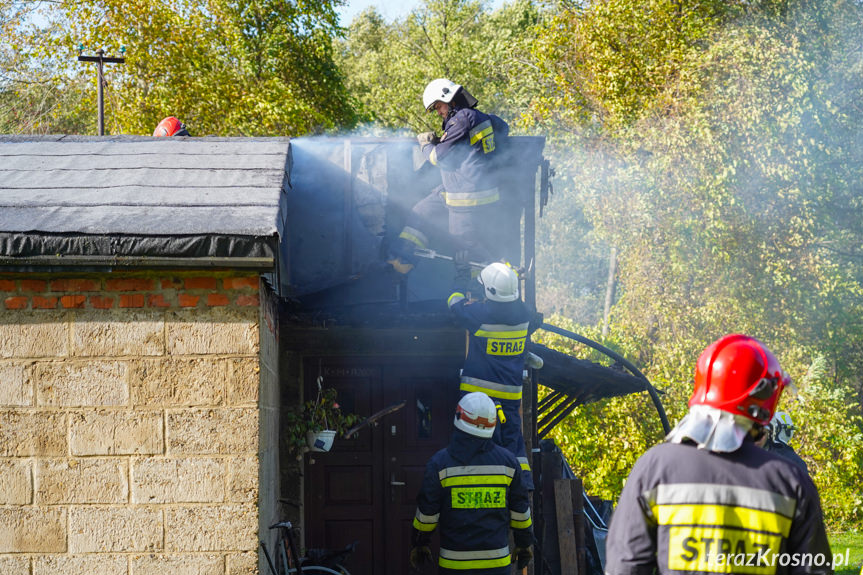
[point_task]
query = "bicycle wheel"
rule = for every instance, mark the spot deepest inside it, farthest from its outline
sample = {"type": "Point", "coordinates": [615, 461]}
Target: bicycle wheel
{"type": "Point", "coordinates": [320, 569]}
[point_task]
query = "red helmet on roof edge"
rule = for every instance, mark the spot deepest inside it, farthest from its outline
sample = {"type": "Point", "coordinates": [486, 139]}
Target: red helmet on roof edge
{"type": "Point", "coordinates": [170, 126]}
{"type": "Point", "coordinates": [738, 374]}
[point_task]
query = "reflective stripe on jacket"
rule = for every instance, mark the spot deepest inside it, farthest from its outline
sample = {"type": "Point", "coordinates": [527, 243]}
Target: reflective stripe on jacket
{"type": "Point", "coordinates": [497, 336]}
{"type": "Point", "coordinates": [689, 510]}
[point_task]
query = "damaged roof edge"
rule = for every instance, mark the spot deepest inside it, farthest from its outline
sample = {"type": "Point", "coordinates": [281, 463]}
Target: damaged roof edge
{"type": "Point", "coordinates": [32, 251]}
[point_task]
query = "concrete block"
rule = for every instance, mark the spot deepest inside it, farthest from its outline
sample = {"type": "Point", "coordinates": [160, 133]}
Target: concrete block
{"type": "Point", "coordinates": [211, 528]}
{"type": "Point", "coordinates": [11, 565]}
{"type": "Point", "coordinates": [16, 482]}
{"type": "Point", "coordinates": [89, 480]}
{"type": "Point", "coordinates": [243, 479]}
{"type": "Point", "coordinates": [115, 529]}
{"type": "Point", "coordinates": [212, 331]}
{"type": "Point", "coordinates": [199, 480]}
{"type": "Point", "coordinates": [244, 379]}
{"type": "Point", "coordinates": [81, 383]}
{"type": "Point", "coordinates": [80, 565]}
{"type": "Point", "coordinates": [197, 564]}
{"type": "Point", "coordinates": [116, 433]}
{"type": "Point", "coordinates": [212, 431]}
{"type": "Point", "coordinates": [32, 530]}
{"type": "Point", "coordinates": [32, 433]}
{"type": "Point", "coordinates": [243, 564]}
{"type": "Point", "coordinates": [15, 389]}
{"type": "Point", "coordinates": [119, 332]}
{"type": "Point", "coordinates": [172, 382]}
{"type": "Point", "coordinates": [31, 334]}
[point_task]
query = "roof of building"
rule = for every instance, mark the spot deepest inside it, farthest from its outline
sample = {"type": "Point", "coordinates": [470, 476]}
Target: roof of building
{"type": "Point", "coordinates": [137, 200]}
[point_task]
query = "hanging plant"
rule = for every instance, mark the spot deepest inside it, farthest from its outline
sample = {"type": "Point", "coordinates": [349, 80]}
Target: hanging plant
{"type": "Point", "coordinates": [317, 423]}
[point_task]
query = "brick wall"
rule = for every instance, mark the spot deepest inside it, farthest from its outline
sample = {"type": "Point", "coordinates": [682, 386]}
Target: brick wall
{"type": "Point", "coordinates": [129, 423]}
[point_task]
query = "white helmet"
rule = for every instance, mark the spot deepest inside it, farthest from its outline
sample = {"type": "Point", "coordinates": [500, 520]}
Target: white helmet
{"type": "Point", "coordinates": [500, 282]}
{"type": "Point", "coordinates": [781, 427]}
{"type": "Point", "coordinates": [442, 90]}
{"type": "Point", "coordinates": [476, 414]}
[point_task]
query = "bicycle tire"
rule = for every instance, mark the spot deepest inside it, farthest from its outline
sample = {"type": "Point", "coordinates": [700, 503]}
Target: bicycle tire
{"type": "Point", "coordinates": [318, 569]}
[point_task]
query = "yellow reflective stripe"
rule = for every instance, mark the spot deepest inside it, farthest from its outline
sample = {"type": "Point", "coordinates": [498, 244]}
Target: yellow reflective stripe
{"type": "Point", "coordinates": [724, 516]}
{"type": "Point", "coordinates": [459, 199]}
{"type": "Point", "coordinates": [502, 330]}
{"type": "Point", "coordinates": [475, 470]}
{"type": "Point", "coordinates": [480, 131]}
{"type": "Point", "coordinates": [718, 550]}
{"type": "Point", "coordinates": [476, 480]}
{"type": "Point", "coordinates": [524, 463]}
{"type": "Point", "coordinates": [711, 493]}
{"type": "Point", "coordinates": [501, 334]}
{"type": "Point", "coordinates": [433, 157]}
{"type": "Point", "coordinates": [521, 524]}
{"type": "Point", "coordinates": [424, 526]}
{"type": "Point", "coordinates": [483, 559]}
{"type": "Point", "coordinates": [414, 236]}
{"type": "Point", "coordinates": [474, 564]}
{"type": "Point", "coordinates": [494, 390]}
{"type": "Point", "coordinates": [427, 518]}
{"type": "Point", "coordinates": [457, 296]}
{"type": "Point", "coordinates": [474, 554]}
{"type": "Point", "coordinates": [516, 516]}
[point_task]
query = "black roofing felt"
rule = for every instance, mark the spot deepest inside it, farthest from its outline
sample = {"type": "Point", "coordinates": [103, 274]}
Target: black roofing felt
{"type": "Point", "coordinates": [138, 196]}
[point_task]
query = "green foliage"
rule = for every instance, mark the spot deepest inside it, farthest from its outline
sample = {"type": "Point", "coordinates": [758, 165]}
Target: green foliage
{"type": "Point", "coordinates": [720, 155]}
{"type": "Point", "coordinates": [263, 67]}
{"type": "Point", "coordinates": [322, 413]}
{"type": "Point", "coordinates": [387, 65]}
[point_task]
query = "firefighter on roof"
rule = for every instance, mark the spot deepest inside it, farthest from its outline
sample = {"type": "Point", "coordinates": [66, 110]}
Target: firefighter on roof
{"type": "Point", "coordinates": [469, 198]}
{"type": "Point", "coordinates": [498, 331]}
{"type": "Point", "coordinates": [708, 500]}
{"type": "Point", "coordinates": [472, 491]}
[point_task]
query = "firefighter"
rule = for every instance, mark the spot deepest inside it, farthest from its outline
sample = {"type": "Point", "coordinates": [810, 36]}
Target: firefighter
{"type": "Point", "coordinates": [472, 490]}
{"type": "Point", "coordinates": [170, 126]}
{"type": "Point", "coordinates": [778, 434]}
{"type": "Point", "coordinates": [498, 331]}
{"type": "Point", "coordinates": [708, 499]}
{"type": "Point", "coordinates": [468, 199]}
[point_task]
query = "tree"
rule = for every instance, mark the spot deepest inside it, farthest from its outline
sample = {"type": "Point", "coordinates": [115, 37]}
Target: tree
{"type": "Point", "coordinates": [262, 67]}
{"type": "Point", "coordinates": [715, 153]}
{"type": "Point", "coordinates": [388, 65]}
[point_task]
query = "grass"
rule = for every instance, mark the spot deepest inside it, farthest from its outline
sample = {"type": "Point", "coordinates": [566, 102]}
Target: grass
{"type": "Point", "coordinates": [853, 542]}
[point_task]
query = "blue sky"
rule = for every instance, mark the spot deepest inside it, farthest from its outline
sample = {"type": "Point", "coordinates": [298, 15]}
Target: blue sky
{"type": "Point", "coordinates": [389, 9]}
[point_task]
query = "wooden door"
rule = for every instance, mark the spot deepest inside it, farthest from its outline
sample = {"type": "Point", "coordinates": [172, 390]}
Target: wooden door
{"type": "Point", "coordinates": [424, 427]}
{"type": "Point", "coordinates": [365, 488]}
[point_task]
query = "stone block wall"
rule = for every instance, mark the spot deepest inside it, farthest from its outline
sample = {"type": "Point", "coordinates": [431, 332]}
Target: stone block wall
{"type": "Point", "coordinates": [130, 422]}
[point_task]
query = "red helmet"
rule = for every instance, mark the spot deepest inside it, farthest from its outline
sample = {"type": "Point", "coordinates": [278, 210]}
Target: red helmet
{"type": "Point", "coordinates": [738, 374]}
{"type": "Point", "coordinates": [171, 126]}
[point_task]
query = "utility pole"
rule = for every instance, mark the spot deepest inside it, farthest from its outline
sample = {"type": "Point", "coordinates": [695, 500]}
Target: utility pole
{"type": "Point", "coordinates": [101, 59]}
{"type": "Point", "coordinates": [609, 290]}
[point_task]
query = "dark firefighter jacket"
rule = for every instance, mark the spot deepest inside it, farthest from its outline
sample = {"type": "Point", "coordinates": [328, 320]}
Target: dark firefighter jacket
{"type": "Point", "coordinates": [465, 157]}
{"type": "Point", "coordinates": [686, 510]}
{"type": "Point", "coordinates": [787, 452]}
{"type": "Point", "coordinates": [497, 334]}
{"type": "Point", "coordinates": [472, 491]}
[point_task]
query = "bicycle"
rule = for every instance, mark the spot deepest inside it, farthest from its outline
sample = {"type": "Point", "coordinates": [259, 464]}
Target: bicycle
{"type": "Point", "coordinates": [288, 560]}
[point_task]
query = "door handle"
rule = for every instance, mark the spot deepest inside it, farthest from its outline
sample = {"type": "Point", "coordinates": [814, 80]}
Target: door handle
{"type": "Point", "coordinates": [397, 483]}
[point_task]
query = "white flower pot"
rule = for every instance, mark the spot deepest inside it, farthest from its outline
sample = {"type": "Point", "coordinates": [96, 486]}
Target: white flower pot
{"type": "Point", "coordinates": [321, 440]}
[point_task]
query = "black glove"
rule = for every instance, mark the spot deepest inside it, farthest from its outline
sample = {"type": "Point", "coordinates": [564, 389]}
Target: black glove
{"type": "Point", "coordinates": [420, 557]}
{"type": "Point", "coordinates": [523, 555]}
{"type": "Point", "coordinates": [427, 138]}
